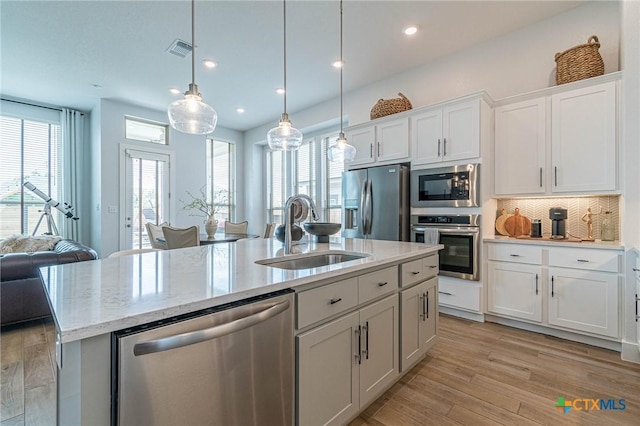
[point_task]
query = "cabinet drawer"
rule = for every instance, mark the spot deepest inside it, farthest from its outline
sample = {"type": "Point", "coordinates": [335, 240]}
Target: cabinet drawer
{"type": "Point", "coordinates": [322, 302]}
{"type": "Point", "coordinates": [519, 253]}
{"type": "Point", "coordinates": [596, 260]}
{"type": "Point", "coordinates": [459, 295]}
{"type": "Point", "coordinates": [430, 266]}
{"type": "Point", "coordinates": [377, 283]}
{"type": "Point", "coordinates": [412, 272]}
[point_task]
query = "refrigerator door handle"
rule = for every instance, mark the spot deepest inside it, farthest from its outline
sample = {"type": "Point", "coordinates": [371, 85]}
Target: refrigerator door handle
{"type": "Point", "coordinates": [363, 206]}
{"type": "Point", "coordinates": [369, 208]}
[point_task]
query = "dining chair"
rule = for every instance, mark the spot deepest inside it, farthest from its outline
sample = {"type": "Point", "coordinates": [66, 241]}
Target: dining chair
{"type": "Point", "coordinates": [269, 229]}
{"type": "Point", "coordinates": [132, 251]}
{"type": "Point", "coordinates": [181, 237]}
{"type": "Point", "coordinates": [236, 228]}
{"type": "Point", "coordinates": [156, 237]}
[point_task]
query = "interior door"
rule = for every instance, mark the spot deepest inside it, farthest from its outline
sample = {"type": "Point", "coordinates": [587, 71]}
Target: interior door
{"type": "Point", "coordinates": [146, 199]}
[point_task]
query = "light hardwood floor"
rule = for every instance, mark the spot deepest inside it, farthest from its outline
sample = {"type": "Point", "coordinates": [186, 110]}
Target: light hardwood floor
{"type": "Point", "coordinates": [477, 374]}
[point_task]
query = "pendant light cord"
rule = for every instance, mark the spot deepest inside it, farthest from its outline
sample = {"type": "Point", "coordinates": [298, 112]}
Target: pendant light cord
{"type": "Point", "coordinates": [193, 42]}
{"type": "Point", "coordinates": [284, 14]}
{"type": "Point", "coordinates": [341, 67]}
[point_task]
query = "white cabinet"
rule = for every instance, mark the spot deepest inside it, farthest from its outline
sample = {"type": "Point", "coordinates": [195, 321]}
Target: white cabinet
{"type": "Point", "coordinates": [578, 287]}
{"type": "Point", "coordinates": [520, 148]}
{"type": "Point", "coordinates": [515, 290]}
{"type": "Point", "coordinates": [558, 142]}
{"type": "Point", "coordinates": [418, 305]}
{"type": "Point", "coordinates": [346, 363]}
{"type": "Point", "coordinates": [383, 142]}
{"type": "Point", "coordinates": [584, 300]}
{"type": "Point", "coordinates": [583, 139]}
{"type": "Point", "coordinates": [447, 133]}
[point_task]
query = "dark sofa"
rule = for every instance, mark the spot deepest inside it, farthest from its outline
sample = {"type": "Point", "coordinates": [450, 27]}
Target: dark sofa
{"type": "Point", "coordinates": [22, 295]}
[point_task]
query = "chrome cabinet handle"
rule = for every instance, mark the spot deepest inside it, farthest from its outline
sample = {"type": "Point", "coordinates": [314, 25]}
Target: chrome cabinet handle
{"type": "Point", "coordinates": [444, 147]}
{"type": "Point", "coordinates": [636, 270]}
{"type": "Point", "coordinates": [198, 336]}
{"type": "Point", "coordinates": [433, 266]}
{"type": "Point", "coordinates": [415, 273]}
{"type": "Point", "coordinates": [383, 284]}
{"type": "Point", "coordinates": [555, 173]}
{"type": "Point", "coordinates": [583, 260]}
{"type": "Point", "coordinates": [540, 177]}
{"type": "Point", "coordinates": [357, 332]}
{"type": "Point", "coordinates": [421, 301]}
{"type": "Point", "coordinates": [637, 307]}
{"type": "Point", "coordinates": [426, 304]}
{"type": "Point", "coordinates": [438, 147]}
{"type": "Point", "coordinates": [552, 293]}
{"type": "Point", "coordinates": [444, 292]}
{"type": "Point", "coordinates": [334, 301]}
{"type": "Point", "coordinates": [514, 255]}
{"type": "Point", "coordinates": [370, 150]}
{"type": "Point", "coordinates": [378, 149]}
{"type": "Point", "coordinates": [366, 348]}
{"type": "Point", "coordinates": [536, 284]}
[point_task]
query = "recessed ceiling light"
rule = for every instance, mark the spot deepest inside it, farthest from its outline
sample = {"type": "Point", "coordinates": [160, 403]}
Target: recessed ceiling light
{"type": "Point", "coordinates": [239, 110]}
{"type": "Point", "coordinates": [280, 91]}
{"type": "Point", "coordinates": [338, 64]}
{"type": "Point", "coordinates": [175, 91]}
{"type": "Point", "coordinates": [209, 63]}
{"type": "Point", "coordinates": [411, 30]}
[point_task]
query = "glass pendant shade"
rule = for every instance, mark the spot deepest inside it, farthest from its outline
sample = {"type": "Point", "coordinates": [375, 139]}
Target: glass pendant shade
{"type": "Point", "coordinates": [284, 137]}
{"type": "Point", "coordinates": [341, 151]}
{"type": "Point", "coordinates": [191, 115]}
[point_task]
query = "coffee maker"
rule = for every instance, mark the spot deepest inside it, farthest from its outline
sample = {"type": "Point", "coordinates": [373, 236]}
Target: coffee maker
{"type": "Point", "coordinates": [558, 218]}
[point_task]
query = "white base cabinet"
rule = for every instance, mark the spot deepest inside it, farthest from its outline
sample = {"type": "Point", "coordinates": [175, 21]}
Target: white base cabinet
{"type": "Point", "coordinates": [515, 290]}
{"type": "Point", "coordinates": [586, 301]}
{"type": "Point", "coordinates": [419, 321]}
{"type": "Point", "coordinates": [343, 365]}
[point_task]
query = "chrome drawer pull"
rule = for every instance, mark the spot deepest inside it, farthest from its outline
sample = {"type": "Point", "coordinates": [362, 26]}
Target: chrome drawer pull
{"type": "Point", "coordinates": [415, 273]}
{"type": "Point", "coordinates": [383, 284]}
{"type": "Point", "coordinates": [514, 255]}
{"type": "Point", "coordinates": [636, 270]}
{"type": "Point", "coordinates": [444, 292]}
{"type": "Point", "coordinates": [332, 301]}
{"type": "Point", "coordinates": [433, 266]}
{"type": "Point", "coordinates": [583, 260]}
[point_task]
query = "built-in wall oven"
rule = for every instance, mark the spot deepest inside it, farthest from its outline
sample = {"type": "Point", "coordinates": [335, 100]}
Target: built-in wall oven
{"type": "Point", "coordinates": [454, 186]}
{"type": "Point", "coordinates": [459, 234]}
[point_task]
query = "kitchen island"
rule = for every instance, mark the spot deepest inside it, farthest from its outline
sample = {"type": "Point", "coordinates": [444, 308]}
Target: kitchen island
{"type": "Point", "coordinates": [91, 300]}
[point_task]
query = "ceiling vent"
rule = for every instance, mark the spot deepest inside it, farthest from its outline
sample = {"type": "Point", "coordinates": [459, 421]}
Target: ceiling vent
{"type": "Point", "coordinates": [180, 48]}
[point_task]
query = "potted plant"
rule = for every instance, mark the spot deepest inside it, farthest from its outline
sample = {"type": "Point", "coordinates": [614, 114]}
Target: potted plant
{"type": "Point", "coordinates": [200, 204]}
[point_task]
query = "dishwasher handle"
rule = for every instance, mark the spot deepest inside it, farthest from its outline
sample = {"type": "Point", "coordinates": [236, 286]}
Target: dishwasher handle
{"type": "Point", "coordinates": [198, 336]}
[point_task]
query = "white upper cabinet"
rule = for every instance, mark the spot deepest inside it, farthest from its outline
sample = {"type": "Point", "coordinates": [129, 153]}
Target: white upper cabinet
{"type": "Point", "coordinates": [448, 133]}
{"type": "Point", "coordinates": [383, 142]}
{"type": "Point", "coordinates": [583, 139]}
{"type": "Point", "coordinates": [560, 142]}
{"type": "Point", "coordinates": [520, 148]}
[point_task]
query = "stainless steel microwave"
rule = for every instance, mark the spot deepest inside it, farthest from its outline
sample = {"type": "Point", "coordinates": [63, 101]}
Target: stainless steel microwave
{"type": "Point", "coordinates": [454, 186]}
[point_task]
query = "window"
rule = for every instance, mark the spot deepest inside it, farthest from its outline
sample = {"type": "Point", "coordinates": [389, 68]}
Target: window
{"type": "Point", "coordinates": [29, 151]}
{"type": "Point", "coordinates": [221, 179]}
{"type": "Point", "coordinates": [311, 174]}
{"type": "Point", "coordinates": [144, 130]}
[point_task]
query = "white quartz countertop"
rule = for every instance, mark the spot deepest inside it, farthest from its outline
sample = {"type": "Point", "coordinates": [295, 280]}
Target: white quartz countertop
{"type": "Point", "coordinates": [609, 245]}
{"type": "Point", "coordinates": [101, 296]}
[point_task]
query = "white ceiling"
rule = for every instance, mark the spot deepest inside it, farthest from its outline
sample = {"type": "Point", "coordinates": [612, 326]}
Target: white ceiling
{"type": "Point", "coordinates": [56, 51]}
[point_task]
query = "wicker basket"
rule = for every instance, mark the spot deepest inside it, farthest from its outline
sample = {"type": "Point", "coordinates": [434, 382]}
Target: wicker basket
{"type": "Point", "coordinates": [390, 106]}
{"type": "Point", "coordinates": [579, 62]}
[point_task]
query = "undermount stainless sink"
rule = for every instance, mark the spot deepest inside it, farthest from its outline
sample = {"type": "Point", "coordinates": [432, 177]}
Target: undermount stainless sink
{"type": "Point", "coordinates": [312, 260]}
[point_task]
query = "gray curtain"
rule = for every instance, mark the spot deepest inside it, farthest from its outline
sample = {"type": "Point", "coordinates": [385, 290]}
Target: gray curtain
{"type": "Point", "coordinates": [72, 123]}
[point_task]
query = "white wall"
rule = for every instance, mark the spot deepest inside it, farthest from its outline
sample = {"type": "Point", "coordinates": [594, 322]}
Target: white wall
{"type": "Point", "coordinates": [189, 168]}
{"type": "Point", "coordinates": [517, 63]}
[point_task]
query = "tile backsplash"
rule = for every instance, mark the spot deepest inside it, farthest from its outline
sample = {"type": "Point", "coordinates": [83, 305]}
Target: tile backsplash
{"type": "Point", "coordinates": [538, 208]}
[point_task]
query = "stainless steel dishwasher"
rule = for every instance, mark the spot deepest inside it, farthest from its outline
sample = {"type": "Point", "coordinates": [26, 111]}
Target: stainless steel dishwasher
{"type": "Point", "coordinates": [231, 365]}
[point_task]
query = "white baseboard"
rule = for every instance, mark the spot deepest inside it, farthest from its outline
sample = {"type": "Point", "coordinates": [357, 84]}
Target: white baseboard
{"type": "Point", "coordinates": [631, 352]}
{"type": "Point", "coordinates": [461, 314]}
{"type": "Point", "coordinates": [593, 341]}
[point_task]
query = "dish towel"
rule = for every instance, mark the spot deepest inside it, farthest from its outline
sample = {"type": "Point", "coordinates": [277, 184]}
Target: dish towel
{"type": "Point", "coordinates": [431, 236]}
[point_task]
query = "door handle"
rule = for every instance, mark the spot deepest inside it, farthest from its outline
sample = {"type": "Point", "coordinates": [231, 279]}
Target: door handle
{"type": "Point", "coordinates": [637, 307]}
{"type": "Point", "coordinates": [370, 150]}
{"type": "Point", "coordinates": [421, 301]}
{"type": "Point", "coordinates": [357, 333]}
{"type": "Point", "coordinates": [438, 147]}
{"type": "Point", "coordinates": [365, 329]}
{"type": "Point", "coordinates": [540, 177]}
{"type": "Point", "coordinates": [378, 149]}
{"type": "Point", "coordinates": [536, 284]}
{"type": "Point", "coordinates": [363, 203]}
{"type": "Point", "coordinates": [426, 304]}
{"type": "Point", "coordinates": [552, 294]}
{"type": "Point", "coordinates": [555, 173]}
{"type": "Point", "coordinates": [444, 148]}
{"type": "Point", "coordinates": [198, 336]}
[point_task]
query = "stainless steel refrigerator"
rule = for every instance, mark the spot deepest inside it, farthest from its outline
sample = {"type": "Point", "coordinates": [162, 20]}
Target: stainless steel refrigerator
{"type": "Point", "coordinates": [375, 203]}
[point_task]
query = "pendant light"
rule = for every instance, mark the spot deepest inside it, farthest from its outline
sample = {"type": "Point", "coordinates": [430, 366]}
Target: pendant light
{"type": "Point", "coordinates": [191, 115]}
{"type": "Point", "coordinates": [341, 151]}
{"type": "Point", "coordinates": [285, 137]}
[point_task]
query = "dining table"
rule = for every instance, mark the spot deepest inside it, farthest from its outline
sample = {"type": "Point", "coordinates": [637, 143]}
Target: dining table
{"type": "Point", "coordinates": [222, 237]}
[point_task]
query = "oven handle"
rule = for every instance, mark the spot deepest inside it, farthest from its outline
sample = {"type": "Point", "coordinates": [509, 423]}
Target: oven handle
{"type": "Point", "coordinates": [459, 231]}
